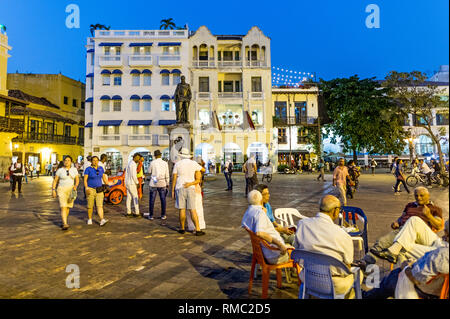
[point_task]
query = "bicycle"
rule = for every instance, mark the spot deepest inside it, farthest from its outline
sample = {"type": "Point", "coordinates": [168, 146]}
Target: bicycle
{"type": "Point", "coordinates": [417, 177]}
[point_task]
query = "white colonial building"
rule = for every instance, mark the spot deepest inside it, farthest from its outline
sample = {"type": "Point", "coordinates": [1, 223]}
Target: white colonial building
{"type": "Point", "coordinates": [131, 78]}
{"type": "Point", "coordinates": [231, 109]}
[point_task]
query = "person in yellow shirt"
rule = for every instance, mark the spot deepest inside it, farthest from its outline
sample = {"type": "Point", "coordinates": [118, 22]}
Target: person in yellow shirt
{"type": "Point", "coordinates": [140, 176]}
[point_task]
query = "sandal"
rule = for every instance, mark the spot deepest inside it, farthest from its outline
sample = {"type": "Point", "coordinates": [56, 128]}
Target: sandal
{"type": "Point", "coordinates": [181, 231]}
{"type": "Point", "coordinates": [65, 227]}
{"type": "Point", "coordinates": [200, 233]}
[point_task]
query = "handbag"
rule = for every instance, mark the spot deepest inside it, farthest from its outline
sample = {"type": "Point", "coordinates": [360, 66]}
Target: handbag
{"type": "Point", "coordinates": [73, 195]}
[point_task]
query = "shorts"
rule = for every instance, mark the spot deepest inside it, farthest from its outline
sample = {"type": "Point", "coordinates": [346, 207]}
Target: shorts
{"type": "Point", "coordinates": [64, 195]}
{"type": "Point", "coordinates": [93, 196]}
{"type": "Point", "coordinates": [185, 198]}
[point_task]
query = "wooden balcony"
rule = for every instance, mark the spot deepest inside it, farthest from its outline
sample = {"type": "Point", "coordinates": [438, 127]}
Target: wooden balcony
{"type": "Point", "coordinates": [46, 138]}
{"type": "Point", "coordinates": [11, 125]}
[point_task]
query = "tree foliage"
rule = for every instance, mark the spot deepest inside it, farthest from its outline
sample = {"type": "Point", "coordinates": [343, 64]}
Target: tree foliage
{"type": "Point", "coordinates": [167, 24]}
{"type": "Point", "coordinates": [363, 116]}
{"type": "Point", "coordinates": [416, 96]}
{"type": "Point", "coordinates": [98, 26]}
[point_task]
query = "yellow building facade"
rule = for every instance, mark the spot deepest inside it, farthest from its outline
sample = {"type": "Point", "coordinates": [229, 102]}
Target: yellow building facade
{"type": "Point", "coordinates": [53, 118]}
{"type": "Point", "coordinates": [9, 128]}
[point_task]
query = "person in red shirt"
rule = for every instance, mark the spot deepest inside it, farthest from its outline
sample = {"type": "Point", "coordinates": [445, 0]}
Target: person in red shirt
{"type": "Point", "coordinates": [432, 217]}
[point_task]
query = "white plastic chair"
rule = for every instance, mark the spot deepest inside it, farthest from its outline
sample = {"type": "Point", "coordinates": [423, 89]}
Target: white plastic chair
{"type": "Point", "coordinates": [285, 216]}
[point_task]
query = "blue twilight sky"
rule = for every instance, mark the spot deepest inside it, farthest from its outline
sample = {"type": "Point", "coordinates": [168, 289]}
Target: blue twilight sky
{"type": "Point", "coordinates": [328, 37]}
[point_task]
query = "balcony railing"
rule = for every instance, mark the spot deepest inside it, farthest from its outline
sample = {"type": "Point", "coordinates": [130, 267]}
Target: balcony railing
{"type": "Point", "coordinates": [256, 95]}
{"type": "Point", "coordinates": [45, 138]}
{"type": "Point", "coordinates": [140, 60]}
{"type": "Point", "coordinates": [163, 139]}
{"type": "Point", "coordinates": [109, 137]}
{"type": "Point", "coordinates": [294, 120]}
{"type": "Point", "coordinates": [143, 33]}
{"type": "Point", "coordinates": [256, 64]}
{"type": "Point", "coordinates": [203, 64]}
{"type": "Point", "coordinates": [109, 60]}
{"type": "Point", "coordinates": [11, 125]}
{"type": "Point", "coordinates": [169, 60]}
{"type": "Point", "coordinates": [80, 141]}
{"type": "Point", "coordinates": [204, 96]}
{"type": "Point", "coordinates": [282, 139]}
{"type": "Point", "coordinates": [229, 64]}
{"type": "Point", "coordinates": [230, 95]}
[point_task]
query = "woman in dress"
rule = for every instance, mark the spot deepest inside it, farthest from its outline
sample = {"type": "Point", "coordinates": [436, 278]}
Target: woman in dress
{"type": "Point", "coordinates": [66, 181]}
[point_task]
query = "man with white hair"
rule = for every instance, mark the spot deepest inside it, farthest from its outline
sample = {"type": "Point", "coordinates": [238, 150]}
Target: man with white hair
{"type": "Point", "coordinates": [186, 174]}
{"type": "Point", "coordinates": [422, 208]}
{"type": "Point", "coordinates": [321, 235]}
{"type": "Point", "coordinates": [256, 220]}
{"type": "Point", "coordinates": [422, 278]}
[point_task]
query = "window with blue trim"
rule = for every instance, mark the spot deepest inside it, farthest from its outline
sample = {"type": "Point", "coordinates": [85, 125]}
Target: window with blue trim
{"type": "Point", "coordinates": [147, 79]}
{"type": "Point", "coordinates": [166, 106]}
{"type": "Point", "coordinates": [117, 80]}
{"type": "Point", "coordinates": [176, 79]}
{"type": "Point", "coordinates": [135, 105]}
{"type": "Point", "coordinates": [135, 80]}
{"type": "Point", "coordinates": [147, 105]}
{"type": "Point", "coordinates": [106, 79]}
{"type": "Point", "coordinates": [105, 106]}
{"type": "Point", "coordinates": [117, 106]}
{"type": "Point", "coordinates": [165, 80]}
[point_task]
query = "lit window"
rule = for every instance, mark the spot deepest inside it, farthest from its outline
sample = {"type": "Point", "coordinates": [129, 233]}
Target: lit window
{"type": "Point", "coordinates": [105, 106]}
{"type": "Point", "coordinates": [117, 106]}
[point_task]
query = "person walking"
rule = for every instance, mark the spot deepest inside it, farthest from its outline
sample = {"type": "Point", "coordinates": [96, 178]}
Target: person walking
{"type": "Point", "coordinates": [393, 169]}
{"type": "Point", "coordinates": [373, 165]}
{"type": "Point", "coordinates": [93, 183]}
{"type": "Point", "coordinates": [132, 184]}
{"type": "Point", "coordinates": [227, 171]}
{"type": "Point", "coordinates": [49, 169]}
{"type": "Point", "coordinates": [65, 186]}
{"type": "Point", "coordinates": [251, 178]}
{"type": "Point", "coordinates": [141, 177]}
{"type": "Point", "coordinates": [87, 163]}
{"type": "Point", "coordinates": [186, 175]}
{"type": "Point", "coordinates": [25, 166]}
{"type": "Point", "coordinates": [31, 169]}
{"type": "Point", "coordinates": [400, 175]}
{"type": "Point", "coordinates": [38, 169]}
{"type": "Point", "coordinates": [340, 176]}
{"type": "Point", "coordinates": [159, 183]}
{"type": "Point", "coordinates": [18, 171]}
{"type": "Point", "coordinates": [321, 169]}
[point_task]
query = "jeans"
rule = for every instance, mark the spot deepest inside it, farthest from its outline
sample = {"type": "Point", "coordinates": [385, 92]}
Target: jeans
{"type": "Point", "coordinates": [229, 180]}
{"type": "Point", "coordinates": [162, 196]}
{"type": "Point", "coordinates": [248, 185]}
{"type": "Point", "coordinates": [387, 287]}
{"type": "Point", "coordinates": [397, 185]}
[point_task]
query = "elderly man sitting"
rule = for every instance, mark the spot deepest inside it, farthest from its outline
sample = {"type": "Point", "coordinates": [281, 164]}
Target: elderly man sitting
{"type": "Point", "coordinates": [421, 279]}
{"type": "Point", "coordinates": [257, 221]}
{"type": "Point", "coordinates": [422, 208]}
{"type": "Point", "coordinates": [320, 234]}
{"type": "Point", "coordinates": [287, 234]}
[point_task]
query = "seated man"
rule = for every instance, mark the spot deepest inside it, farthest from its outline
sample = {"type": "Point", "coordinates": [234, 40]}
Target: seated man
{"type": "Point", "coordinates": [287, 234]}
{"type": "Point", "coordinates": [257, 221]}
{"type": "Point", "coordinates": [433, 220]}
{"type": "Point", "coordinates": [414, 240]}
{"type": "Point", "coordinates": [320, 234]}
{"type": "Point", "coordinates": [422, 274]}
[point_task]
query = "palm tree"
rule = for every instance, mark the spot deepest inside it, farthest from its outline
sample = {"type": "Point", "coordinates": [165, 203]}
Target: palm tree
{"type": "Point", "coordinates": [97, 26]}
{"type": "Point", "coordinates": [167, 24]}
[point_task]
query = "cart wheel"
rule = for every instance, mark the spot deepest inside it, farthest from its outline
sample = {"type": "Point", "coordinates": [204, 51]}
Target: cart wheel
{"type": "Point", "coordinates": [116, 197]}
{"type": "Point", "coordinates": [411, 181]}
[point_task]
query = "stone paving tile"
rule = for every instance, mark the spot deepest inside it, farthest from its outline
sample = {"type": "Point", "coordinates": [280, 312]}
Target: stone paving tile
{"type": "Point", "coordinates": [136, 258]}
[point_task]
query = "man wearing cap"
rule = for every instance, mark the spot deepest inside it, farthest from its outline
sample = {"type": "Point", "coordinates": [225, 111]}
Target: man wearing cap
{"type": "Point", "coordinates": [159, 183]}
{"type": "Point", "coordinates": [186, 174]}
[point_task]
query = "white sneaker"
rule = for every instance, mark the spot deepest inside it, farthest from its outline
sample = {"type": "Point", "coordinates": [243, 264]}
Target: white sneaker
{"type": "Point", "coordinates": [103, 222]}
{"type": "Point", "coordinates": [89, 222]}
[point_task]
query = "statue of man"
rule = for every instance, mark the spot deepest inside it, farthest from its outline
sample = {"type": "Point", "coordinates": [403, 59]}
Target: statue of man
{"type": "Point", "coordinates": [183, 97]}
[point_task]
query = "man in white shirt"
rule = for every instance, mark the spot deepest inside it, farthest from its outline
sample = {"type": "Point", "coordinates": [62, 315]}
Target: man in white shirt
{"type": "Point", "coordinates": [131, 183]}
{"type": "Point", "coordinates": [159, 183]}
{"type": "Point", "coordinates": [256, 220]}
{"type": "Point", "coordinates": [102, 164]}
{"type": "Point", "coordinates": [87, 163]}
{"type": "Point", "coordinates": [425, 169]}
{"type": "Point", "coordinates": [186, 174]}
{"type": "Point", "coordinates": [18, 171]}
{"type": "Point", "coordinates": [320, 234]}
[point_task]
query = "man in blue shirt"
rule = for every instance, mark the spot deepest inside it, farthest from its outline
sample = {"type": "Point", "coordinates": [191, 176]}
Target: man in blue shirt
{"type": "Point", "coordinates": [287, 234]}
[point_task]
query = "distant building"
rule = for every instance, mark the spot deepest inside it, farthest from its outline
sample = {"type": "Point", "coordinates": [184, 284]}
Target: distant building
{"type": "Point", "coordinates": [441, 75]}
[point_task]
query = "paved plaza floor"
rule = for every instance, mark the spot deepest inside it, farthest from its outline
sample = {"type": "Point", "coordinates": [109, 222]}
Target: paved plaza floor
{"type": "Point", "coordinates": [138, 258]}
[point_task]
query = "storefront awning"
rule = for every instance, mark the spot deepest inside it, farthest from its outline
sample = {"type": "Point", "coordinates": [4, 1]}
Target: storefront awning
{"type": "Point", "coordinates": [139, 122]}
{"type": "Point", "coordinates": [167, 122]}
{"type": "Point", "coordinates": [168, 44]}
{"type": "Point", "coordinates": [88, 124]}
{"type": "Point", "coordinates": [109, 123]}
{"type": "Point", "coordinates": [110, 44]}
{"type": "Point", "coordinates": [146, 44]}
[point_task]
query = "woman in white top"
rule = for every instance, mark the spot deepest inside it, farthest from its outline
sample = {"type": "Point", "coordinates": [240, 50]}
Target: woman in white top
{"type": "Point", "coordinates": [67, 180]}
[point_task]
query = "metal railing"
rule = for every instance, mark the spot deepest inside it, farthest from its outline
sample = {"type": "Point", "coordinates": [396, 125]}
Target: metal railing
{"type": "Point", "coordinates": [230, 95]}
{"type": "Point", "coordinates": [256, 64]}
{"type": "Point", "coordinates": [256, 95]}
{"type": "Point", "coordinates": [110, 60]}
{"type": "Point", "coordinates": [229, 64]}
{"type": "Point", "coordinates": [11, 125]}
{"type": "Point", "coordinates": [134, 60]}
{"type": "Point", "coordinates": [294, 120]}
{"type": "Point", "coordinates": [109, 137]}
{"type": "Point", "coordinates": [142, 137]}
{"type": "Point", "coordinates": [45, 138]}
{"type": "Point", "coordinates": [204, 96]}
{"type": "Point", "coordinates": [143, 33]}
{"type": "Point", "coordinates": [203, 64]}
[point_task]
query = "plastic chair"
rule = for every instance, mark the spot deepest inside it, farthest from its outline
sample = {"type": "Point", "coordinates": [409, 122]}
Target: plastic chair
{"type": "Point", "coordinates": [355, 213]}
{"type": "Point", "coordinates": [318, 280]}
{"type": "Point", "coordinates": [258, 258]}
{"type": "Point", "coordinates": [285, 216]}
